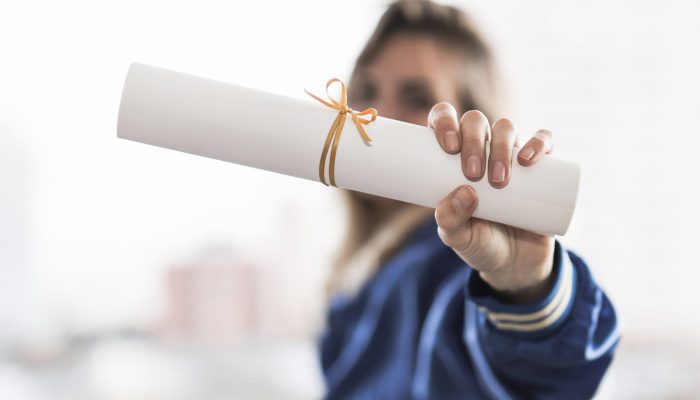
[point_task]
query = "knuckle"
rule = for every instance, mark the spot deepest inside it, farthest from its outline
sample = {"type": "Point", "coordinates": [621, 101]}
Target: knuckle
{"type": "Point", "coordinates": [464, 245]}
{"type": "Point", "coordinates": [545, 136]}
{"type": "Point", "coordinates": [503, 124]}
{"type": "Point", "coordinates": [473, 117]}
{"type": "Point", "coordinates": [442, 234]}
{"type": "Point", "coordinates": [461, 243]}
{"type": "Point", "coordinates": [474, 127]}
{"type": "Point", "coordinates": [448, 239]}
{"type": "Point", "coordinates": [443, 106]}
{"type": "Point", "coordinates": [473, 144]}
{"type": "Point", "coordinates": [545, 132]}
{"type": "Point", "coordinates": [441, 111]}
{"type": "Point", "coordinates": [500, 149]}
{"type": "Point", "coordinates": [443, 218]}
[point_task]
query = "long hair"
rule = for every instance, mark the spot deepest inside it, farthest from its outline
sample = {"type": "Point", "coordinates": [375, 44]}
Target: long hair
{"type": "Point", "coordinates": [478, 88]}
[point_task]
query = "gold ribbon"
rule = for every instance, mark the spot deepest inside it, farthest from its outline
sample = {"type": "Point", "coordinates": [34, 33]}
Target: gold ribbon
{"type": "Point", "coordinates": [333, 136]}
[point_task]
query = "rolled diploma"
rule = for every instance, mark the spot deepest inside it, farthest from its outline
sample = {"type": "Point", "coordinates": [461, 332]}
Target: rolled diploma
{"type": "Point", "coordinates": [286, 135]}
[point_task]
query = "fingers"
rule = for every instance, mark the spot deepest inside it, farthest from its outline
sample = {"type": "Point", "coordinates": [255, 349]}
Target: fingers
{"type": "Point", "coordinates": [452, 216]}
{"type": "Point", "coordinates": [443, 119]}
{"type": "Point", "coordinates": [503, 140]}
{"type": "Point", "coordinates": [542, 142]}
{"type": "Point", "coordinates": [470, 136]}
{"type": "Point", "coordinates": [475, 131]}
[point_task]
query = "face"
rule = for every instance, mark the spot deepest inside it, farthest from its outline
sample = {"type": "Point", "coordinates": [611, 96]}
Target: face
{"type": "Point", "coordinates": [409, 75]}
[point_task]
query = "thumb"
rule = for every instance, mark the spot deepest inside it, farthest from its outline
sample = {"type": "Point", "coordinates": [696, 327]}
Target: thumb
{"type": "Point", "coordinates": [453, 215]}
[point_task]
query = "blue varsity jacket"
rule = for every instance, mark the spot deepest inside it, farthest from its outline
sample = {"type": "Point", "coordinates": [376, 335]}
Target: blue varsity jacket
{"type": "Point", "coordinates": [426, 327]}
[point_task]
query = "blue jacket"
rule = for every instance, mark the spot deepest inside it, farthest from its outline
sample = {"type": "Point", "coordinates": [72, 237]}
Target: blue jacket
{"type": "Point", "coordinates": [426, 327]}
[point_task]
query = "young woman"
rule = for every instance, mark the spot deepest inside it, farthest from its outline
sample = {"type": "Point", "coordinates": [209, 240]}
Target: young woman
{"type": "Point", "coordinates": [435, 304]}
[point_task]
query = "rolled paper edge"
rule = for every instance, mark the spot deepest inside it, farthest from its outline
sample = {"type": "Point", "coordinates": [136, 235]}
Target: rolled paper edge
{"type": "Point", "coordinates": [561, 228]}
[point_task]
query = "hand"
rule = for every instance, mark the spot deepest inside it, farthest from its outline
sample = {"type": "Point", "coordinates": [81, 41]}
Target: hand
{"type": "Point", "coordinates": [514, 262]}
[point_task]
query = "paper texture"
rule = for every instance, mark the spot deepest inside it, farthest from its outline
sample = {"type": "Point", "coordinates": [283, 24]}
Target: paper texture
{"type": "Point", "coordinates": [286, 135]}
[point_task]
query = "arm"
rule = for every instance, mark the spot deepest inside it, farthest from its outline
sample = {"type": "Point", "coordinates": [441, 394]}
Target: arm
{"type": "Point", "coordinates": [537, 324]}
{"type": "Point", "coordinates": [556, 347]}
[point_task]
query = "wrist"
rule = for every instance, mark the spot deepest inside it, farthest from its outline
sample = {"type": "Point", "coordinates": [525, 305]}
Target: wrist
{"type": "Point", "coordinates": [522, 284]}
{"type": "Point", "coordinates": [531, 317]}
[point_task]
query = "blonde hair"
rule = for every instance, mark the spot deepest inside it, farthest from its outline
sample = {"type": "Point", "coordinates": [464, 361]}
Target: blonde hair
{"type": "Point", "coordinates": [373, 236]}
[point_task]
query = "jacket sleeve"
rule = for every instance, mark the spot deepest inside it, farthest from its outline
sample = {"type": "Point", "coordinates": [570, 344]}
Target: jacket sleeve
{"type": "Point", "coordinates": [558, 347]}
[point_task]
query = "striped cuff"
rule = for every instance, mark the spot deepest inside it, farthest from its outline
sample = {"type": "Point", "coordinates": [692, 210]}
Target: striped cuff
{"type": "Point", "coordinates": [536, 318]}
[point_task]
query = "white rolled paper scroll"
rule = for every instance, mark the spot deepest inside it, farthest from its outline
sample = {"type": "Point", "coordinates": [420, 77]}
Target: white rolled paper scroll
{"type": "Point", "coordinates": [286, 135]}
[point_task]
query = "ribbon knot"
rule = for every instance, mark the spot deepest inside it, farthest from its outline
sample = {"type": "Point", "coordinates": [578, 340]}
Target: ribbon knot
{"type": "Point", "coordinates": [333, 137]}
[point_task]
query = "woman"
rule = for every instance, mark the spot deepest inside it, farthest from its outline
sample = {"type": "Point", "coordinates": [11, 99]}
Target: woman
{"type": "Point", "coordinates": [437, 304]}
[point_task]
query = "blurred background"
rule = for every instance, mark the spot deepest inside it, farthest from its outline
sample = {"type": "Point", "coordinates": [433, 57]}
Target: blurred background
{"type": "Point", "coordinates": [134, 272]}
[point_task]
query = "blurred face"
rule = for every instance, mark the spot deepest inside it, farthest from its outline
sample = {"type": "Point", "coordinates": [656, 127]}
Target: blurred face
{"type": "Point", "coordinates": [409, 75]}
{"type": "Point", "coordinates": [405, 79]}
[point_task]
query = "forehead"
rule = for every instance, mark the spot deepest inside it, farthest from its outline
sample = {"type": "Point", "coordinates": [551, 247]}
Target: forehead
{"type": "Point", "coordinates": [414, 56]}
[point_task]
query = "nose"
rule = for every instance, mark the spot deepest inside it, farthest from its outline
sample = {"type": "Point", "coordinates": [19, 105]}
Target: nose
{"type": "Point", "coordinates": [388, 109]}
{"type": "Point", "coordinates": [393, 110]}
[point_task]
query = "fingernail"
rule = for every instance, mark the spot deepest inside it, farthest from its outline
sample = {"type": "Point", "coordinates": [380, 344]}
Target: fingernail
{"type": "Point", "coordinates": [527, 153]}
{"type": "Point", "coordinates": [498, 172]}
{"type": "Point", "coordinates": [473, 166]}
{"type": "Point", "coordinates": [462, 200]}
{"type": "Point", "coordinates": [451, 141]}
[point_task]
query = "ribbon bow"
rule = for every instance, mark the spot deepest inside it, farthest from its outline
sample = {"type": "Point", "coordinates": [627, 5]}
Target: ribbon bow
{"type": "Point", "coordinates": [337, 127]}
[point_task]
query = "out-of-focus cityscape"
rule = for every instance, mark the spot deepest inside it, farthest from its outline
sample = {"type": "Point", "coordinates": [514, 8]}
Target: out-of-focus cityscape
{"type": "Point", "coordinates": [132, 272]}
